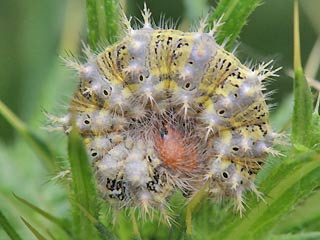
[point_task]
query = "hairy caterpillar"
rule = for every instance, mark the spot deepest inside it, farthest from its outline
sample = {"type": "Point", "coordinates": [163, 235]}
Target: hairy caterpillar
{"type": "Point", "coordinates": [163, 109]}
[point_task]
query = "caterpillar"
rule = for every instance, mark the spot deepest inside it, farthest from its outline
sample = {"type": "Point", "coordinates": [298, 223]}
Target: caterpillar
{"type": "Point", "coordinates": [162, 110]}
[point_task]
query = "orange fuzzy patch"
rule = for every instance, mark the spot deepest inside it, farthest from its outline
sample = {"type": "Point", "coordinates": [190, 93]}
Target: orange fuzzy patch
{"type": "Point", "coordinates": [175, 151]}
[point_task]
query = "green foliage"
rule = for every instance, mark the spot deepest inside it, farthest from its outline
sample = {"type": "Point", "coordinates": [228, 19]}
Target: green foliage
{"type": "Point", "coordinates": [8, 228]}
{"type": "Point", "coordinates": [234, 14]}
{"type": "Point", "coordinates": [111, 11]}
{"type": "Point", "coordinates": [93, 24]}
{"type": "Point", "coordinates": [39, 146]}
{"type": "Point", "coordinates": [83, 191]}
{"type": "Point", "coordinates": [302, 126]}
{"type": "Point", "coordinates": [284, 186]}
{"type": "Point", "coordinates": [103, 19]}
{"type": "Point", "coordinates": [35, 232]}
{"type": "Point", "coordinates": [59, 222]}
{"type": "Point", "coordinates": [286, 181]}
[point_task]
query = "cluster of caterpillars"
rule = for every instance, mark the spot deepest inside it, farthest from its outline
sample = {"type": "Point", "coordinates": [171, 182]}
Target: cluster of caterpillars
{"type": "Point", "coordinates": [163, 110]}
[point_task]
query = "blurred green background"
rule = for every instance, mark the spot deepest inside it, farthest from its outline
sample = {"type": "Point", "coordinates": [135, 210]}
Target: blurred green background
{"type": "Point", "coordinates": [34, 33]}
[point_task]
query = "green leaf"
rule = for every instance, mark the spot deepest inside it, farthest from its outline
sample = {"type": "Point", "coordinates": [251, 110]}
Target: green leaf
{"type": "Point", "coordinates": [83, 187]}
{"type": "Point", "coordinates": [315, 136]}
{"type": "Point", "coordinates": [193, 204]}
{"type": "Point", "coordinates": [285, 185]}
{"type": "Point", "coordinates": [35, 232]}
{"type": "Point", "coordinates": [235, 14]}
{"type": "Point", "coordinates": [46, 215]}
{"type": "Point", "coordinates": [104, 232]}
{"type": "Point", "coordinates": [302, 126]}
{"type": "Point", "coordinates": [41, 149]}
{"type": "Point", "coordinates": [93, 26]}
{"type": "Point", "coordinates": [306, 216]}
{"type": "Point", "coordinates": [111, 11]}
{"type": "Point", "coordinates": [300, 236]}
{"type": "Point", "coordinates": [103, 18]}
{"type": "Point", "coordinates": [6, 226]}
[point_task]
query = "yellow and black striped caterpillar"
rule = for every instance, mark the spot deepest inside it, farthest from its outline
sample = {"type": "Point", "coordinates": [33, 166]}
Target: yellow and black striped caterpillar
{"type": "Point", "coordinates": [163, 109]}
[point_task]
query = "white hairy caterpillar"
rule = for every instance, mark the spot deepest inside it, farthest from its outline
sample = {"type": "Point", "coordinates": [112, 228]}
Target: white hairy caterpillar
{"type": "Point", "coordinates": [163, 109]}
